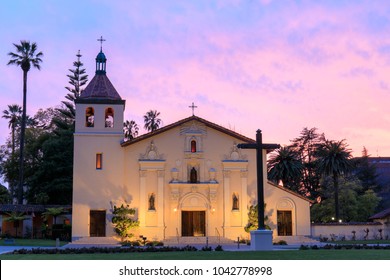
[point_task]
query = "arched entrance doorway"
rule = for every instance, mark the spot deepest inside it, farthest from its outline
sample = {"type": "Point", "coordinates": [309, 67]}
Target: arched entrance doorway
{"type": "Point", "coordinates": [285, 217]}
{"type": "Point", "coordinates": [194, 213]}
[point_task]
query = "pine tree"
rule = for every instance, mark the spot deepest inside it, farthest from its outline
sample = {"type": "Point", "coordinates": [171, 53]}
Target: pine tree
{"type": "Point", "coordinates": [77, 79]}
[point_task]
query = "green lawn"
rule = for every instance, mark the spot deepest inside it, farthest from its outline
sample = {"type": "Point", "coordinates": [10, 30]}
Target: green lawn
{"type": "Point", "coordinates": [352, 242]}
{"type": "Point", "coordinates": [32, 242]}
{"type": "Point", "coordinates": [201, 255]}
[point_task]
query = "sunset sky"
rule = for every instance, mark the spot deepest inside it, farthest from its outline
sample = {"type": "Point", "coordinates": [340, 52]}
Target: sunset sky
{"type": "Point", "coordinates": [278, 66]}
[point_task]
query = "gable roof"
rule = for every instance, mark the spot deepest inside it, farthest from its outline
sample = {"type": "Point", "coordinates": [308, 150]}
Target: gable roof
{"type": "Point", "coordinates": [383, 214]}
{"type": "Point", "coordinates": [192, 118]}
{"type": "Point", "coordinates": [291, 192]}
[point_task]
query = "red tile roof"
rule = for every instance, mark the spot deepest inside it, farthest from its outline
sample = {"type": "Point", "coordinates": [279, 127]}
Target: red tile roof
{"type": "Point", "coordinates": [291, 191]}
{"type": "Point", "coordinates": [192, 118]}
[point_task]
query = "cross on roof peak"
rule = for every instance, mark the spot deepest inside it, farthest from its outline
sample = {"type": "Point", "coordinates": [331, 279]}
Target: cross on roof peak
{"type": "Point", "coordinates": [101, 40]}
{"type": "Point", "coordinates": [193, 108]}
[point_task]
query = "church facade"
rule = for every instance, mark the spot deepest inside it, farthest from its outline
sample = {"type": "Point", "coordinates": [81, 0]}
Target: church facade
{"type": "Point", "coordinates": [185, 179]}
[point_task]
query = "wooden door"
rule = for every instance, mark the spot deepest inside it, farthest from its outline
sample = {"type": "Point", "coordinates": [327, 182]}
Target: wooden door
{"type": "Point", "coordinates": [284, 223]}
{"type": "Point", "coordinates": [97, 224]}
{"type": "Point", "coordinates": [193, 223]}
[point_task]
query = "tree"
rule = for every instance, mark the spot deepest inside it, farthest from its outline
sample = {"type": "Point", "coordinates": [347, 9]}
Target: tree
{"type": "Point", "coordinates": [51, 180]}
{"type": "Point", "coordinates": [77, 79]}
{"type": "Point", "coordinates": [353, 206]}
{"type": "Point", "coordinates": [26, 56]}
{"type": "Point", "coordinates": [284, 165]}
{"type": "Point", "coordinates": [53, 212]}
{"type": "Point", "coordinates": [366, 172]}
{"type": "Point", "coordinates": [67, 112]}
{"type": "Point", "coordinates": [253, 222]}
{"type": "Point", "coordinates": [51, 183]}
{"type": "Point", "coordinates": [13, 114]}
{"type": "Point", "coordinates": [306, 145]}
{"type": "Point", "coordinates": [16, 218]}
{"type": "Point", "coordinates": [130, 128]}
{"type": "Point", "coordinates": [367, 205]}
{"type": "Point", "coordinates": [5, 196]}
{"type": "Point", "coordinates": [151, 120]}
{"type": "Point", "coordinates": [334, 159]}
{"type": "Point", "coordinates": [123, 221]}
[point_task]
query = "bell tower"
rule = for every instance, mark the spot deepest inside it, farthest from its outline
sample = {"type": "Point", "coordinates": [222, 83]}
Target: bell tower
{"type": "Point", "coordinates": [97, 151]}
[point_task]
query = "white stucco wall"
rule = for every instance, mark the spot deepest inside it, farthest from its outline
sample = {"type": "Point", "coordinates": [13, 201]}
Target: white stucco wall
{"type": "Point", "coordinates": [128, 175]}
{"type": "Point", "coordinates": [345, 230]}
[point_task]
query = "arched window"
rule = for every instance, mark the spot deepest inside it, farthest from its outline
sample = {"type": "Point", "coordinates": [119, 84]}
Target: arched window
{"type": "Point", "coordinates": [89, 117]}
{"type": "Point", "coordinates": [193, 146]}
{"type": "Point", "coordinates": [109, 117]}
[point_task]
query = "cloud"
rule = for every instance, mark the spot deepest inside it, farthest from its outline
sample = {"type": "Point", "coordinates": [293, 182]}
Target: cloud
{"type": "Point", "coordinates": [274, 65]}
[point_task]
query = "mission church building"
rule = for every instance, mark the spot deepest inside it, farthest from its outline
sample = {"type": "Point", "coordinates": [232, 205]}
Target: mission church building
{"type": "Point", "coordinates": [187, 179]}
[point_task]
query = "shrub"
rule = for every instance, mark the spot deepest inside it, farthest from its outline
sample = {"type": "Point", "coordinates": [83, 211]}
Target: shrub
{"type": "Point", "coordinates": [189, 248]}
{"type": "Point", "coordinates": [323, 239]}
{"type": "Point", "coordinates": [304, 247]}
{"type": "Point", "coordinates": [281, 242]}
{"type": "Point", "coordinates": [154, 243]}
{"type": "Point", "coordinates": [123, 221]}
{"type": "Point", "coordinates": [218, 248]}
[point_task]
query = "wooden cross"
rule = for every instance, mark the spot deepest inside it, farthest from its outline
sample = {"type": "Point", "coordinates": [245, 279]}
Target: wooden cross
{"type": "Point", "coordinates": [101, 42]}
{"type": "Point", "coordinates": [259, 146]}
{"type": "Point", "coordinates": [193, 108]}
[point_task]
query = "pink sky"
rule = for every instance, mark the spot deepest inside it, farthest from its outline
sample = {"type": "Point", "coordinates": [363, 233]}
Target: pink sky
{"type": "Point", "coordinates": [278, 66]}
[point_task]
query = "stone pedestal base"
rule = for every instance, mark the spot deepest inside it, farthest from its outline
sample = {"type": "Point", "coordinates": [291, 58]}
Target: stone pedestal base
{"type": "Point", "coordinates": [261, 240]}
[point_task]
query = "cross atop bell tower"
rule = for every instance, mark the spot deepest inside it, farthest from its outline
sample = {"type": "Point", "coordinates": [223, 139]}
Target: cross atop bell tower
{"type": "Point", "coordinates": [101, 59]}
{"type": "Point", "coordinates": [101, 43]}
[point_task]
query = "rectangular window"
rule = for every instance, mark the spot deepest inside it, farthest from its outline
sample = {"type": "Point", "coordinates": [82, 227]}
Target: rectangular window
{"type": "Point", "coordinates": [99, 161]}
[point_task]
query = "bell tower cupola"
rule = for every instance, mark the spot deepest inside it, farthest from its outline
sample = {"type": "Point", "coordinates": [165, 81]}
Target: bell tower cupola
{"type": "Point", "coordinates": [101, 59]}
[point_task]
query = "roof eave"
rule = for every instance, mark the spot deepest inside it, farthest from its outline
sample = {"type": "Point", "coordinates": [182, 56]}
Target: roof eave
{"type": "Point", "coordinates": [219, 128]}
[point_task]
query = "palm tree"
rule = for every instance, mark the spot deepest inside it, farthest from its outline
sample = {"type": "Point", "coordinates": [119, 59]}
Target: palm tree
{"type": "Point", "coordinates": [53, 212]}
{"type": "Point", "coordinates": [26, 56]}
{"type": "Point", "coordinates": [285, 165]}
{"type": "Point", "coordinates": [13, 114]}
{"type": "Point", "coordinates": [152, 122]}
{"type": "Point", "coordinates": [130, 128]}
{"type": "Point", "coordinates": [334, 159]}
{"type": "Point", "coordinates": [15, 218]}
